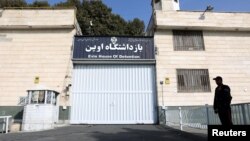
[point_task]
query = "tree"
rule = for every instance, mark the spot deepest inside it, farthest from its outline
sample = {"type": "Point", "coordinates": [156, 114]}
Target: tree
{"type": "Point", "coordinates": [95, 18]}
{"type": "Point", "coordinates": [22, 3]}
{"type": "Point", "coordinates": [40, 4]}
{"type": "Point", "coordinates": [135, 27]}
{"type": "Point", "coordinates": [69, 3]}
{"type": "Point", "coordinates": [12, 3]}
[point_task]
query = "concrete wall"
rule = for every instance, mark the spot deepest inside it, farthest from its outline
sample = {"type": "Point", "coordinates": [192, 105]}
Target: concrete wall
{"type": "Point", "coordinates": [31, 53]}
{"type": "Point", "coordinates": [210, 21]}
{"type": "Point", "coordinates": [227, 53]}
{"type": "Point", "coordinates": [43, 50]}
{"type": "Point", "coordinates": [37, 18]}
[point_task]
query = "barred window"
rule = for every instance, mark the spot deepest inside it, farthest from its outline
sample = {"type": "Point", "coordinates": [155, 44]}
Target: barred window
{"type": "Point", "coordinates": [187, 40]}
{"type": "Point", "coordinates": [193, 80]}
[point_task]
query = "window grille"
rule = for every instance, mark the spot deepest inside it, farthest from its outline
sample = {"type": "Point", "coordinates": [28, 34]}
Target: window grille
{"type": "Point", "coordinates": [186, 40]}
{"type": "Point", "coordinates": [193, 80]}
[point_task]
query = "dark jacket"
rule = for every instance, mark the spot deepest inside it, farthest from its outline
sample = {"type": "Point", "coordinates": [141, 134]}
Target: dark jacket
{"type": "Point", "coordinates": [222, 98]}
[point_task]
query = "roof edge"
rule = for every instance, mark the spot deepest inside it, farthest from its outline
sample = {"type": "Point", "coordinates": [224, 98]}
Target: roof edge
{"type": "Point", "coordinates": [243, 12]}
{"type": "Point", "coordinates": [38, 8]}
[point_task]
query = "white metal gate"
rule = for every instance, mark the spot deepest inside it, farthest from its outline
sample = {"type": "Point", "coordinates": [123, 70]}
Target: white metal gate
{"type": "Point", "coordinates": [113, 94]}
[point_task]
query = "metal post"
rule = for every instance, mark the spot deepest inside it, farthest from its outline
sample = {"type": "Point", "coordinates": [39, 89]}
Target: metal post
{"type": "Point", "coordinates": [29, 97]}
{"type": "Point", "coordinates": [165, 115]}
{"type": "Point", "coordinates": [165, 112]}
{"type": "Point", "coordinates": [162, 98]}
{"type": "Point", "coordinates": [7, 125]}
{"type": "Point", "coordinates": [207, 113]}
{"type": "Point", "coordinates": [161, 82]}
{"type": "Point", "coordinates": [51, 97]}
{"type": "Point", "coordinates": [45, 97]}
{"type": "Point", "coordinates": [180, 118]}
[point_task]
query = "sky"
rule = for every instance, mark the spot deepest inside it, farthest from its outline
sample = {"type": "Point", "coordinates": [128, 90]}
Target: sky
{"type": "Point", "coordinates": [130, 9]}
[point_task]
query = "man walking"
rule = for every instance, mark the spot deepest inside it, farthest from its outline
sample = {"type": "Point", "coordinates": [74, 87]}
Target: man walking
{"type": "Point", "coordinates": [222, 101]}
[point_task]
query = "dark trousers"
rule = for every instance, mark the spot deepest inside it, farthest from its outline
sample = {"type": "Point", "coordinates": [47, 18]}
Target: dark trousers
{"type": "Point", "coordinates": [225, 116]}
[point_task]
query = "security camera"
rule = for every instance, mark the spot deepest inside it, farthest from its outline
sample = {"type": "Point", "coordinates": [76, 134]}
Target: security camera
{"type": "Point", "coordinates": [209, 8]}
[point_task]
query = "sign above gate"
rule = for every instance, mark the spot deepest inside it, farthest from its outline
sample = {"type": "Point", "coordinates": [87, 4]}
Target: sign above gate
{"type": "Point", "coordinates": [113, 48]}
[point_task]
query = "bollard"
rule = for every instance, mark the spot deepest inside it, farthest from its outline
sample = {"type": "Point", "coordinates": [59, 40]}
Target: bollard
{"type": "Point", "coordinates": [180, 119]}
{"type": "Point", "coordinates": [7, 125]}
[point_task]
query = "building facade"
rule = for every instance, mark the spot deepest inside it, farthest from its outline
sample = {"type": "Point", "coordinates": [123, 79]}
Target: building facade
{"type": "Point", "coordinates": [118, 79]}
{"type": "Point", "coordinates": [35, 51]}
{"type": "Point", "coordinates": [192, 47]}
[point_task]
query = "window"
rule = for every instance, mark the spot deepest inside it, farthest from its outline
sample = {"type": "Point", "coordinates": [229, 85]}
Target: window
{"type": "Point", "coordinates": [34, 97]}
{"type": "Point", "coordinates": [193, 80]}
{"type": "Point", "coordinates": [49, 95]}
{"type": "Point", "coordinates": [42, 97]}
{"type": "Point", "coordinates": [37, 97]}
{"type": "Point", "coordinates": [187, 40]}
{"type": "Point", "coordinates": [51, 98]}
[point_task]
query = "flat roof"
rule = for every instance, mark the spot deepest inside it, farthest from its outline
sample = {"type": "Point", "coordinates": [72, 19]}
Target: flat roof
{"type": "Point", "coordinates": [38, 8]}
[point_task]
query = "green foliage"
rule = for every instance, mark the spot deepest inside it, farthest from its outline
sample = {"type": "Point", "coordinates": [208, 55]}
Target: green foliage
{"type": "Point", "coordinates": [69, 3]}
{"type": "Point", "coordinates": [22, 3]}
{"type": "Point", "coordinates": [12, 3]}
{"type": "Point", "coordinates": [94, 17]}
{"type": "Point", "coordinates": [135, 27]}
{"type": "Point", "coordinates": [40, 4]}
